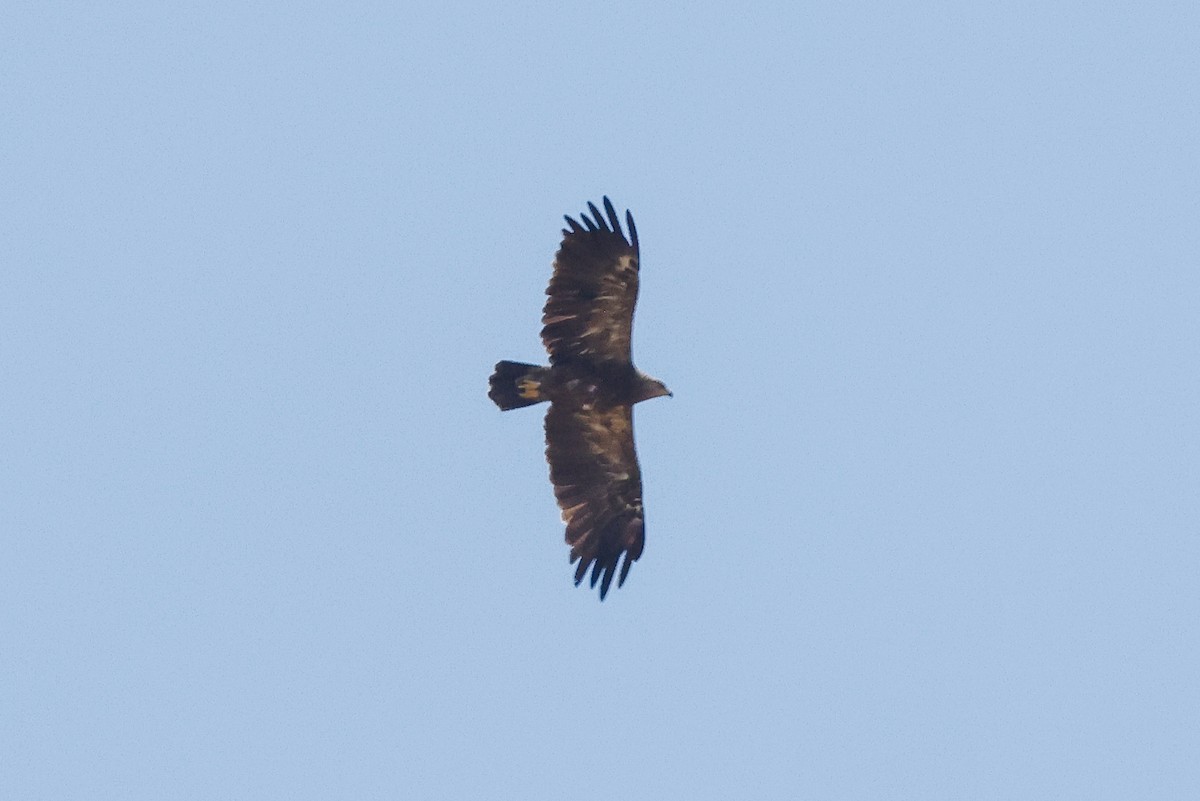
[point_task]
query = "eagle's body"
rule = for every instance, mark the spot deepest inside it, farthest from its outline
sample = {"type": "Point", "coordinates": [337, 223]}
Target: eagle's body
{"type": "Point", "coordinates": [585, 383]}
{"type": "Point", "coordinates": [591, 385]}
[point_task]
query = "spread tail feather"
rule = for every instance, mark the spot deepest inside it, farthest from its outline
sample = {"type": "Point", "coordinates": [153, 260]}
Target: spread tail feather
{"type": "Point", "coordinates": [516, 384]}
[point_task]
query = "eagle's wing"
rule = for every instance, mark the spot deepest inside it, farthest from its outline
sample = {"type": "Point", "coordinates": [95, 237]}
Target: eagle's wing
{"type": "Point", "coordinates": [589, 314]}
{"type": "Point", "coordinates": [594, 469]}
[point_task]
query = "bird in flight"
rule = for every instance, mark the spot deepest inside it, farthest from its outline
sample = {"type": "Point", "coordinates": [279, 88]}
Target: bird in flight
{"type": "Point", "coordinates": [591, 385]}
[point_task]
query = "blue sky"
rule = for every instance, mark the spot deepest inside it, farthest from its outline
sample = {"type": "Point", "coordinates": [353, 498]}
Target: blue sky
{"type": "Point", "coordinates": [922, 516]}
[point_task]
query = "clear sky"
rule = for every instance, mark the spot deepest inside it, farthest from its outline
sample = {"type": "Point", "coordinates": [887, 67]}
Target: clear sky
{"type": "Point", "coordinates": [922, 516]}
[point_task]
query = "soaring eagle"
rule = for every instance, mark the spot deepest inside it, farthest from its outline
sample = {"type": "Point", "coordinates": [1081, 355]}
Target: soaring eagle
{"type": "Point", "coordinates": [591, 384]}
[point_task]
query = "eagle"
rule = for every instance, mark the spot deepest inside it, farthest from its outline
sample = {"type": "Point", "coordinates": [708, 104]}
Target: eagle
{"type": "Point", "coordinates": [591, 385]}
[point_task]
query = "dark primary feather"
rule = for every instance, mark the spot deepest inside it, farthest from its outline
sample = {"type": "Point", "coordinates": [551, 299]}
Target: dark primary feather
{"type": "Point", "coordinates": [594, 469]}
{"type": "Point", "coordinates": [592, 294]}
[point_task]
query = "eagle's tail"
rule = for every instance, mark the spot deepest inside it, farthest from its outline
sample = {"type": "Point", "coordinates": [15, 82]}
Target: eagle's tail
{"type": "Point", "coordinates": [515, 384]}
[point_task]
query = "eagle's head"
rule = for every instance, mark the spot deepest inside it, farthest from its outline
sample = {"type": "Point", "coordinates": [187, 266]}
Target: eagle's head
{"type": "Point", "coordinates": [651, 388]}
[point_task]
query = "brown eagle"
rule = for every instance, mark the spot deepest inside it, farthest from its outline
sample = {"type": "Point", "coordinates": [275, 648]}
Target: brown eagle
{"type": "Point", "coordinates": [591, 384]}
